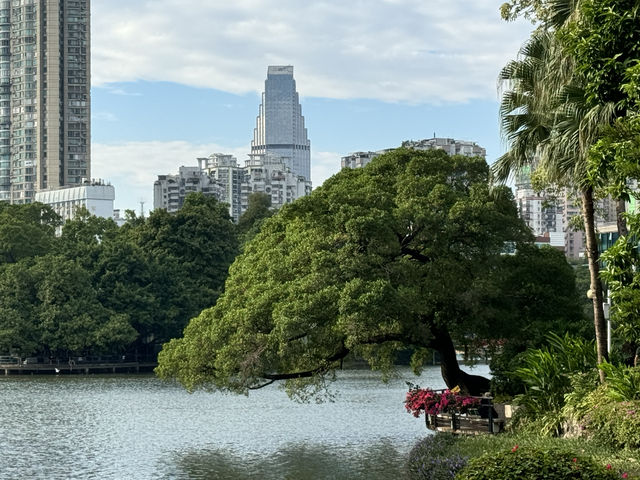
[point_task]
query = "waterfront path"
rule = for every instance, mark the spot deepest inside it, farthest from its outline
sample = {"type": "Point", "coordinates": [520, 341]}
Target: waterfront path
{"type": "Point", "coordinates": [76, 368]}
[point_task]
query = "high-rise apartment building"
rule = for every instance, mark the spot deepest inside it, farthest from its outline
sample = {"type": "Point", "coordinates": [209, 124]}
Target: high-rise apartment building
{"type": "Point", "coordinates": [280, 130]}
{"type": "Point", "coordinates": [449, 145]}
{"type": "Point", "coordinates": [44, 96]}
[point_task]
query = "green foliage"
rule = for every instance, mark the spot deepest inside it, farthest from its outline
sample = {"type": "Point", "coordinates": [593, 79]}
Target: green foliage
{"type": "Point", "coordinates": [613, 424]}
{"type": "Point", "coordinates": [371, 263]}
{"type": "Point", "coordinates": [103, 289]}
{"type": "Point", "coordinates": [604, 41]}
{"type": "Point", "coordinates": [434, 458]}
{"type": "Point", "coordinates": [546, 374]}
{"type": "Point", "coordinates": [621, 273]}
{"type": "Point", "coordinates": [526, 463]}
{"type": "Point", "coordinates": [623, 383]}
{"type": "Point", "coordinates": [201, 238]}
{"type": "Point", "coordinates": [258, 210]}
{"type": "Point", "coordinates": [26, 231]}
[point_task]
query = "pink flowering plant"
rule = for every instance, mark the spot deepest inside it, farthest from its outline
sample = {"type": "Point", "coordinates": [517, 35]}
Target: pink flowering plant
{"type": "Point", "coordinates": [432, 402]}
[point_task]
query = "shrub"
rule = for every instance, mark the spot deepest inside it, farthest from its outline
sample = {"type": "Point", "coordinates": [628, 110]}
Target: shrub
{"type": "Point", "coordinates": [434, 458]}
{"type": "Point", "coordinates": [533, 464]}
{"type": "Point", "coordinates": [547, 373]}
{"type": "Point", "coordinates": [614, 424]}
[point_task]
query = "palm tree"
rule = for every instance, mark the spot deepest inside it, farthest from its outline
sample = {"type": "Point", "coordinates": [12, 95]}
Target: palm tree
{"type": "Point", "coordinates": [546, 123]}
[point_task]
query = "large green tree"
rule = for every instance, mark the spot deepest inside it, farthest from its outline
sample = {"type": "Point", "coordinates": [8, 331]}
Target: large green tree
{"type": "Point", "coordinates": [403, 253]}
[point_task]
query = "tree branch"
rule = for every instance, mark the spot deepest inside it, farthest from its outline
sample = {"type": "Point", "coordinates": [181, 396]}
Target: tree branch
{"type": "Point", "coordinates": [339, 355]}
{"type": "Point", "coordinates": [416, 255]}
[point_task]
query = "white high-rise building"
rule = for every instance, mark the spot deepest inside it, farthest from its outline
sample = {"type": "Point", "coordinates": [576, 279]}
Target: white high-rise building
{"type": "Point", "coordinates": [271, 175]}
{"type": "Point", "coordinates": [170, 191]}
{"type": "Point", "coordinates": [280, 129]}
{"type": "Point", "coordinates": [224, 170]}
{"type": "Point", "coordinates": [44, 96]}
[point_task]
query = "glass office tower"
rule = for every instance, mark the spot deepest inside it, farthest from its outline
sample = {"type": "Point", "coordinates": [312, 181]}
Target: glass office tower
{"type": "Point", "coordinates": [44, 96]}
{"type": "Point", "coordinates": [280, 129]}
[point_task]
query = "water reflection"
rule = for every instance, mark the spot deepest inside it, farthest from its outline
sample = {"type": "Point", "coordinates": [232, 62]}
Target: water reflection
{"type": "Point", "coordinates": [379, 461]}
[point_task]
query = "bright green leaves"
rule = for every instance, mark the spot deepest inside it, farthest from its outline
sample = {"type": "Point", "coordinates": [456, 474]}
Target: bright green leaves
{"type": "Point", "coordinates": [367, 264]}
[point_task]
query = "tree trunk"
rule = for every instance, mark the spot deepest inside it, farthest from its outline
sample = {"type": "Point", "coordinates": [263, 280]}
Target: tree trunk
{"type": "Point", "coordinates": [621, 207]}
{"type": "Point", "coordinates": [451, 373]}
{"type": "Point", "coordinates": [599, 321]}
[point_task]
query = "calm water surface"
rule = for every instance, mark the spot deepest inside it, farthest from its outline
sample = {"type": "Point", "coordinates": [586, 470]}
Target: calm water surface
{"type": "Point", "coordinates": [137, 427]}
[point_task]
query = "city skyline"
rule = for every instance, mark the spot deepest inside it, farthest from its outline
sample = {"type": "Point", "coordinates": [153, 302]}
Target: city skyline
{"type": "Point", "coordinates": [163, 96]}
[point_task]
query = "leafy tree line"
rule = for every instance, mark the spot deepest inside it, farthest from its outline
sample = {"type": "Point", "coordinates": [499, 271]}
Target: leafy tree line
{"type": "Point", "coordinates": [407, 252]}
{"type": "Point", "coordinates": [101, 289]}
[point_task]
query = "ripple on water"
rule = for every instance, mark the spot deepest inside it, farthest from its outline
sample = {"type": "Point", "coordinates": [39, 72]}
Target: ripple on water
{"type": "Point", "coordinates": [136, 426]}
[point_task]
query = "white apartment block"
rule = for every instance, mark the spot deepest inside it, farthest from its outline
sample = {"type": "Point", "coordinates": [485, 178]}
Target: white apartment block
{"type": "Point", "coordinates": [449, 145]}
{"type": "Point", "coordinates": [358, 159]}
{"type": "Point", "coordinates": [96, 197]}
{"type": "Point", "coordinates": [219, 175]}
{"type": "Point", "coordinates": [224, 170]}
{"type": "Point", "coordinates": [170, 191]}
{"type": "Point", "coordinates": [271, 175]}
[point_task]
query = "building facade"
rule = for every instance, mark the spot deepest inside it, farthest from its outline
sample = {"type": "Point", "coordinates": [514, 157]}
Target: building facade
{"type": "Point", "coordinates": [449, 145]}
{"type": "Point", "coordinates": [170, 191]}
{"type": "Point", "coordinates": [224, 170]}
{"type": "Point", "coordinates": [271, 175]}
{"type": "Point", "coordinates": [280, 129]}
{"type": "Point", "coordinates": [358, 159]}
{"type": "Point", "coordinates": [44, 96]}
{"type": "Point", "coordinates": [97, 197]}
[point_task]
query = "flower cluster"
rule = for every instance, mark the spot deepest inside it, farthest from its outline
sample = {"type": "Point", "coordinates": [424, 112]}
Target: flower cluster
{"type": "Point", "coordinates": [425, 399]}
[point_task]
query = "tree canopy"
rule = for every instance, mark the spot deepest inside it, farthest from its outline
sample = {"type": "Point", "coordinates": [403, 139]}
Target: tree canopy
{"type": "Point", "coordinates": [404, 253]}
{"type": "Point", "coordinates": [99, 289]}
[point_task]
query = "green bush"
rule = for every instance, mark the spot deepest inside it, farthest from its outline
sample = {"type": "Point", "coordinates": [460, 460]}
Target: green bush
{"type": "Point", "coordinates": [434, 458]}
{"type": "Point", "coordinates": [532, 464]}
{"type": "Point", "coordinates": [613, 424]}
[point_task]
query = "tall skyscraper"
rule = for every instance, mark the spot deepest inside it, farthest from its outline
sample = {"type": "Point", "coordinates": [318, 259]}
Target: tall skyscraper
{"type": "Point", "coordinates": [44, 96]}
{"type": "Point", "coordinates": [280, 130]}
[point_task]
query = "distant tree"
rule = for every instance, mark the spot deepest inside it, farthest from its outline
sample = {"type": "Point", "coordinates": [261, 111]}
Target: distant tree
{"type": "Point", "coordinates": [201, 237]}
{"type": "Point", "coordinates": [19, 330]}
{"type": "Point", "coordinates": [26, 231]}
{"type": "Point", "coordinates": [72, 319]}
{"type": "Point", "coordinates": [258, 210]}
{"type": "Point", "coordinates": [398, 254]}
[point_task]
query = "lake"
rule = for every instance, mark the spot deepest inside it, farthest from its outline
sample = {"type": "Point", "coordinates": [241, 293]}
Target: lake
{"type": "Point", "coordinates": [138, 427]}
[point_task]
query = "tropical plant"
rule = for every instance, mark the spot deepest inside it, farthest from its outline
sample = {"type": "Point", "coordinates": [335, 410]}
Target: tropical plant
{"type": "Point", "coordinates": [546, 374]}
{"type": "Point", "coordinates": [623, 383]}
{"type": "Point", "coordinates": [551, 126]}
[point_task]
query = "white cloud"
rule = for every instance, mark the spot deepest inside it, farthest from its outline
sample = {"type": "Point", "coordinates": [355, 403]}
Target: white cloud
{"type": "Point", "coordinates": [392, 50]}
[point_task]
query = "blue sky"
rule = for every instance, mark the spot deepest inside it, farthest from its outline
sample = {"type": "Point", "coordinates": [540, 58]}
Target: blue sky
{"type": "Point", "coordinates": [177, 79]}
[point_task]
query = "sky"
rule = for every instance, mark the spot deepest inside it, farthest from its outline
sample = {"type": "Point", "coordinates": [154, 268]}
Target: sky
{"type": "Point", "coordinates": [173, 80]}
